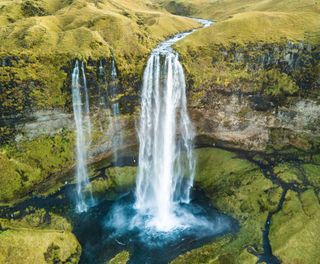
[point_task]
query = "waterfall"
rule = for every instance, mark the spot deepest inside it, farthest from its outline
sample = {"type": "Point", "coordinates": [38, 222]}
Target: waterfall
{"type": "Point", "coordinates": [103, 95]}
{"type": "Point", "coordinates": [166, 162]}
{"type": "Point", "coordinates": [80, 101]}
{"type": "Point", "coordinates": [117, 139]}
{"type": "Point", "coordinates": [161, 212]}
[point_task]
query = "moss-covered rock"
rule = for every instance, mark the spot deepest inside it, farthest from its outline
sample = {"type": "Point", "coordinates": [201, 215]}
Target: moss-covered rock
{"type": "Point", "coordinates": [123, 177]}
{"type": "Point", "coordinates": [40, 237]}
{"type": "Point", "coordinates": [31, 162]}
{"type": "Point", "coordinates": [312, 172]}
{"type": "Point", "coordinates": [234, 184]}
{"type": "Point", "coordinates": [294, 232]}
{"type": "Point", "coordinates": [38, 246]}
{"type": "Point", "coordinates": [121, 258]}
{"type": "Point", "coordinates": [115, 181]}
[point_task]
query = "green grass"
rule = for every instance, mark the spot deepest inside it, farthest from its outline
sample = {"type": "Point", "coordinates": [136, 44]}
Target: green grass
{"type": "Point", "coordinates": [224, 9]}
{"type": "Point", "coordinates": [293, 233]}
{"type": "Point", "coordinates": [43, 37]}
{"type": "Point", "coordinates": [86, 28]}
{"type": "Point", "coordinates": [236, 187]}
{"type": "Point", "coordinates": [35, 239]}
{"type": "Point", "coordinates": [31, 162]}
{"type": "Point", "coordinates": [264, 26]}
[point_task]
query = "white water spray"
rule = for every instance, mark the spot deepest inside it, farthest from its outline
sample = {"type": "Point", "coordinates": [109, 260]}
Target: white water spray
{"type": "Point", "coordinates": [166, 162]}
{"type": "Point", "coordinates": [80, 101]}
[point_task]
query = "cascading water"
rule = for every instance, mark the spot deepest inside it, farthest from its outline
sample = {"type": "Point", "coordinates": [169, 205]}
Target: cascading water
{"type": "Point", "coordinates": [160, 217]}
{"type": "Point", "coordinates": [166, 162]}
{"type": "Point", "coordinates": [117, 139]}
{"type": "Point", "coordinates": [80, 101]}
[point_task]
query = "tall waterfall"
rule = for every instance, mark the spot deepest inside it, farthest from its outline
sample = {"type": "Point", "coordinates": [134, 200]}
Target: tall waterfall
{"type": "Point", "coordinates": [80, 101]}
{"type": "Point", "coordinates": [161, 213]}
{"type": "Point", "coordinates": [166, 162]}
{"type": "Point", "coordinates": [117, 139]}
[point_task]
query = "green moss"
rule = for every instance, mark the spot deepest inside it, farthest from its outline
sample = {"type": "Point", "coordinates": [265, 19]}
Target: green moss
{"type": "Point", "coordinates": [312, 172]}
{"type": "Point", "coordinates": [293, 235]}
{"type": "Point", "coordinates": [50, 154]}
{"type": "Point", "coordinates": [288, 173]}
{"type": "Point", "coordinates": [117, 180]}
{"type": "Point", "coordinates": [123, 177]}
{"type": "Point", "coordinates": [39, 218]}
{"type": "Point", "coordinates": [275, 83]}
{"type": "Point", "coordinates": [32, 246]}
{"type": "Point", "coordinates": [29, 163]}
{"type": "Point", "coordinates": [31, 82]}
{"type": "Point", "coordinates": [121, 258]}
{"type": "Point", "coordinates": [206, 254]}
{"type": "Point", "coordinates": [40, 237]}
{"type": "Point", "coordinates": [236, 187]}
{"type": "Point", "coordinates": [15, 177]}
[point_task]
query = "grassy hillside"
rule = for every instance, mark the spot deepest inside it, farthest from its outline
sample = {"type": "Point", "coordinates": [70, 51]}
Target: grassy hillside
{"type": "Point", "coordinates": [84, 27]}
{"type": "Point", "coordinates": [232, 52]}
{"type": "Point", "coordinates": [262, 26]}
{"type": "Point", "coordinates": [223, 9]}
{"type": "Point", "coordinates": [250, 19]}
{"type": "Point", "coordinates": [41, 38]}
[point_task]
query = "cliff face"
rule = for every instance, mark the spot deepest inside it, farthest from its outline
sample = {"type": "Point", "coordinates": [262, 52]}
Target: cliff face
{"type": "Point", "coordinates": [37, 143]}
{"type": "Point", "coordinates": [265, 99]}
{"type": "Point", "coordinates": [266, 96]}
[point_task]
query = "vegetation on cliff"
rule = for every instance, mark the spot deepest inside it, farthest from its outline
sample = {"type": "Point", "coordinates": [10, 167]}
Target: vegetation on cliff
{"type": "Point", "coordinates": [31, 163]}
{"type": "Point", "coordinates": [250, 42]}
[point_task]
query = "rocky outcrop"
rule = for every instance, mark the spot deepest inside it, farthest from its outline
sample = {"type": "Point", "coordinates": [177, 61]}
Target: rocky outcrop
{"type": "Point", "coordinates": [274, 103]}
{"type": "Point", "coordinates": [233, 121]}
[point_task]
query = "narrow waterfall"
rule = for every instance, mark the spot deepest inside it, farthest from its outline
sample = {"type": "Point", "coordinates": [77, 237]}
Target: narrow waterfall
{"type": "Point", "coordinates": [103, 94]}
{"type": "Point", "coordinates": [80, 101]}
{"type": "Point", "coordinates": [117, 139]}
{"type": "Point", "coordinates": [166, 162]}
